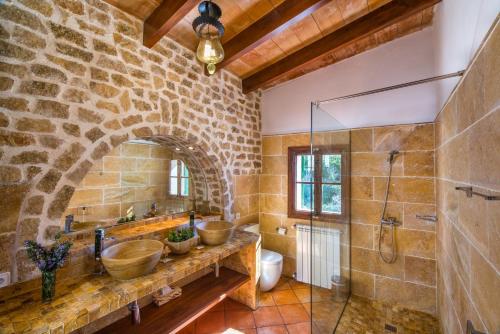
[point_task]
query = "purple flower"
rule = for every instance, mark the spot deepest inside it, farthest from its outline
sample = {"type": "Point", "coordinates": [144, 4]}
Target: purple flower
{"type": "Point", "coordinates": [48, 258]}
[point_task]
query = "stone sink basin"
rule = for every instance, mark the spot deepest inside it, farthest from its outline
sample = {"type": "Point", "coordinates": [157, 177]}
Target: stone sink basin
{"type": "Point", "coordinates": [214, 233]}
{"type": "Point", "coordinates": [131, 259]}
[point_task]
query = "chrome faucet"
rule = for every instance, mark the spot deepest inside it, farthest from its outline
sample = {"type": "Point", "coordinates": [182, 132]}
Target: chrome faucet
{"type": "Point", "coordinates": [98, 248]}
{"type": "Point", "coordinates": [67, 223]}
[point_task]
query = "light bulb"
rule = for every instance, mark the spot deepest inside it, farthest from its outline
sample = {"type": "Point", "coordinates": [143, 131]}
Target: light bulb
{"type": "Point", "coordinates": [210, 51]}
{"type": "Point", "coordinates": [211, 68]}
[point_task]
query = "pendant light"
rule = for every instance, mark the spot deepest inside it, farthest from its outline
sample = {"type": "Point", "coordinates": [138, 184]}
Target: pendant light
{"type": "Point", "coordinates": [209, 30]}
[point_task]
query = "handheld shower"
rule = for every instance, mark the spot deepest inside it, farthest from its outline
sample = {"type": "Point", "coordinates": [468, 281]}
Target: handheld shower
{"type": "Point", "coordinates": [390, 221]}
{"type": "Point", "coordinates": [392, 156]}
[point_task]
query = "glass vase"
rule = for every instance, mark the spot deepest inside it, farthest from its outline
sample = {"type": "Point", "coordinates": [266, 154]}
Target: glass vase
{"type": "Point", "coordinates": [48, 285]}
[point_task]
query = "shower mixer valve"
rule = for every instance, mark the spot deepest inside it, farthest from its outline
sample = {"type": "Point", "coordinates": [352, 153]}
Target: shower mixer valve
{"type": "Point", "coordinates": [390, 221]}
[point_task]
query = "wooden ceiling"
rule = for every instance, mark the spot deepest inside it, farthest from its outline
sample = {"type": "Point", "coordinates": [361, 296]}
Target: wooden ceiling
{"type": "Point", "coordinates": [271, 41]}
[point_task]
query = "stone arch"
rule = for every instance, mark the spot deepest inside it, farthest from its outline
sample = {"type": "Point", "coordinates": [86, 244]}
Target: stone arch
{"type": "Point", "coordinates": [217, 176]}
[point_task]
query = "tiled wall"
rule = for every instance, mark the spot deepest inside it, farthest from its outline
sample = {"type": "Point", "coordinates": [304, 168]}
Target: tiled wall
{"type": "Point", "coordinates": [468, 237]}
{"type": "Point", "coordinates": [411, 280]}
{"type": "Point", "coordinates": [246, 199]}
{"type": "Point", "coordinates": [130, 175]}
{"type": "Point", "coordinates": [273, 188]}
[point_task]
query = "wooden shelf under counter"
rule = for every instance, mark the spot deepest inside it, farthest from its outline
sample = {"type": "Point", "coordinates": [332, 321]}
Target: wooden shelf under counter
{"type": "Point", "coordinates": [197, 298]}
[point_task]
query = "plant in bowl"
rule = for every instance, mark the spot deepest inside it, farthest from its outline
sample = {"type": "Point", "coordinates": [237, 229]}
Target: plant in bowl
{"type": "Point", "coordinates": [181, 241]}
{"type": "Point", "coordinates": [48, 259]}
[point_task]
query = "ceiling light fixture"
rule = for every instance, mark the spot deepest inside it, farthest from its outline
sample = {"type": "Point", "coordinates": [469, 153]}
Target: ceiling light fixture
{"type": "Point", "coordinates": [191, 148]}
{"type": "Point", "coordinates": [177, 149]}
{"type": "Point", "coordinates": [209, 30]}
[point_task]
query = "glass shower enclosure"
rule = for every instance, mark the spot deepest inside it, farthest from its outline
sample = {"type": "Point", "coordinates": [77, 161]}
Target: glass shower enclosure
{"type": "Point", "coordinates": [326, 239]}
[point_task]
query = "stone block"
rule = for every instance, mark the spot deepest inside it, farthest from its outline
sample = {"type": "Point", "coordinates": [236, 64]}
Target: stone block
{"type": "Point", "coordinates": [94, 134]}
{"type": "Point", "coordinates": [28, 38]}
{"type": "Point", "coordinates": [51, 109]}
{"type": "Point", "coordinates": [34, 125]}
{"type": "Point", "coordinates": [49, 181]}
{"type": "Point", "coordinates": [60, 202]}
{"type": "Point", "coordinates": [41, 6]}
{"type": "Point", "coordinates": [30, 157]}
{"type": "Point", "coordinates": [6, 83]}
{"type": "Point", "coordinates": [10, 174]}
{"type": "Point", "coordinates": [11, 200]}
{"type": "Point", "coordinates": [39, 88]}
{"type": "Point", "coordinates": [90, 116]}
{"type": "Point", "coordinates": [71, 129]}
{"type": "Point", "coordinates": [14, 51]}
{"type": "Point", "coordinates": [74, 52]}
{"type": "Point", "coordinates": [69, 157]}
{"type": "Point", "coordinates": [34, 205]}
{"type": "Point", "coordinates": [69, 65]}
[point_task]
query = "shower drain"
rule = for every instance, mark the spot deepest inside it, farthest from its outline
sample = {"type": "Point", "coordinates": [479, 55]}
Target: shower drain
{"type": "Point", "coordinates": [391, 328]}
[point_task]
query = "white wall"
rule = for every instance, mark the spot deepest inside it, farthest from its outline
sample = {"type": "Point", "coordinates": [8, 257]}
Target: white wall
{"type": "Point", "coordinates": [458, 28]}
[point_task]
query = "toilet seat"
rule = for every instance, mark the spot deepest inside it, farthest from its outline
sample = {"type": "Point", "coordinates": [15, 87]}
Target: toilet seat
{"type": "Point", "coordinates": [270, 257]}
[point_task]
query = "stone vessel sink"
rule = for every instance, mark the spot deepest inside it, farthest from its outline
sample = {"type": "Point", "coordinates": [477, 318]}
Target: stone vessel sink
{"type": "Point", "coordinates": [131, 259]}
{"type": "Point", "coordinates": [215, 232]}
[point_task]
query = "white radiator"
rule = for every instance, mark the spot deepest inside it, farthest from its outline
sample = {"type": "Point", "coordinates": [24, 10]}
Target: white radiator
{"type": "Point", "coordinates": [324, 254]}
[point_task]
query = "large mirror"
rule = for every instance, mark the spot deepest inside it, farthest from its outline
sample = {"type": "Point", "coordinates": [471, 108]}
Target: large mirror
{"type": "Point", "coordinates": [138, 179]}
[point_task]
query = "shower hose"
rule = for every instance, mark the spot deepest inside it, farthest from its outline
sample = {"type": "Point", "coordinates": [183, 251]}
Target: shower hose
{"type": "Point", "coordinates": [393, 256]}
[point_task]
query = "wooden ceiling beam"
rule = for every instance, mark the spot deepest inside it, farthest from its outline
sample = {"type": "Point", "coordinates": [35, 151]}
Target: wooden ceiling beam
{"type": "Point", "coordinates": [164, 17]}
{"type": "Point", "coordinates": [268, 26]}
{"type": "Point", "coordinates": [295, 64]}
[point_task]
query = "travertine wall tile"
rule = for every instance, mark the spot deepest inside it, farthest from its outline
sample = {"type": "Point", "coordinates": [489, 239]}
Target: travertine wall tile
{"type": "Point", "coordinates": [468, 154]}
{"type": "Point", "coordinates": [412, 193]}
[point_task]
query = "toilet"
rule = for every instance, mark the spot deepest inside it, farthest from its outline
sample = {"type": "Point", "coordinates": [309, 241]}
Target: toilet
{"type": "Point", "coordinates": [271, 264]}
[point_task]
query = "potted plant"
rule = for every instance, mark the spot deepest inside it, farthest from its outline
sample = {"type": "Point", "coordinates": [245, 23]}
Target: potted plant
{"type": "Point", "coordinates": [181, 241]}
{"type": "Point", "coordinates": [48, 259]}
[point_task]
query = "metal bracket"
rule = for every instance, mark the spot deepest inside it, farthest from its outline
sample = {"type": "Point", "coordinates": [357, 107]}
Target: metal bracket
{"type": "Point", "coordinates": [469, 192]}
{"type": "Point", "coordinates": [135, 312]}
{"type": "Point", "coordinates": [471, 330]}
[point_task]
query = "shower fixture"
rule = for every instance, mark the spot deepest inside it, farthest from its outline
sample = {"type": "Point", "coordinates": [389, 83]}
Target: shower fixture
{"type": "Point", "coordinates": [389, 222]}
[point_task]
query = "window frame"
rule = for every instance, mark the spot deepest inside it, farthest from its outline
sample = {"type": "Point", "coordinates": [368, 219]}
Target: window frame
{"type": "Point", "coordinates": [317, 152]}
{"type": "Point", "coordinates": [179, 178]}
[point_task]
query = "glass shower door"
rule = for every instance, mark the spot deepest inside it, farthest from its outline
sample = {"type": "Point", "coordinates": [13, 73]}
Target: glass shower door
{"type": "Point", "coordinates": [328, 235]}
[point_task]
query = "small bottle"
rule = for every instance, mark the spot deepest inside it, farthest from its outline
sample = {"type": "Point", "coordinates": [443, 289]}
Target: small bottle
{"type": "Point", "coordinates": [191, 219]}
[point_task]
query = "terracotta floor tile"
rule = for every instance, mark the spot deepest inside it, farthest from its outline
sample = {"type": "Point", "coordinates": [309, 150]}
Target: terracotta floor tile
{"type": "Point", "coordinates": [284, 297]}
{"type": "Point", "coordinates": [272, 330]}
{"type": "Point", "coordinates": [282, 285]}
{"type": "Point", "coordinates": [239, 319]}
{"type": "Point", "coordinates": [304, 295]}
{"type": "Point", "coordinates": [298, 285]}
{"type": "Point", "coordinates": [266, 299]}
{"type": "Point", "coordinates": [292, 314]}
{"type": "Point", "coordinates": [217, 308]}
{"type": "Point", "coordinates": [209, 323]}
{"type": "Point", "coordinates": [231, 305]}
{"type": "Point", "coordinates": [299, 328]}
{"type": "Point", "coordinates": [267, 316]}
{"type": "Point", "coordinates": [244, 331]}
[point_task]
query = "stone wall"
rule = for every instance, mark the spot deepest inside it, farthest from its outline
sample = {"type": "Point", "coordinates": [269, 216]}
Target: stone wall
{"type": "Point", "coordinates": [411, 280]}
{"type": "Point", "coordinates": [468, 235]}
{"type": "Point", "coordinates": [76, 82]}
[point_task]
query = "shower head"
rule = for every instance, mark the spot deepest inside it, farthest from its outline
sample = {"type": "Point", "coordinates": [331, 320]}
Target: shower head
{"type": "Point", "coordinates": [392, 155]}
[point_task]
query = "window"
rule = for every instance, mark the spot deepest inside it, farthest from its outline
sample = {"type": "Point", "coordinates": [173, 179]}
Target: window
{"type": "Point", "coordinates": [179, 178]}
{"type": "Point", "coordinates": [321, 193]}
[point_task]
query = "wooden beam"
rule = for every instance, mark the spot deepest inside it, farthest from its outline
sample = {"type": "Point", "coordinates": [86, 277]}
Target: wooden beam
{"type": "Point", "coordinates": [168, 13]}
{"type": "Point", "coordinates": [295, 64]}
{"type": "Point", "coordinates": [268, 26]}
